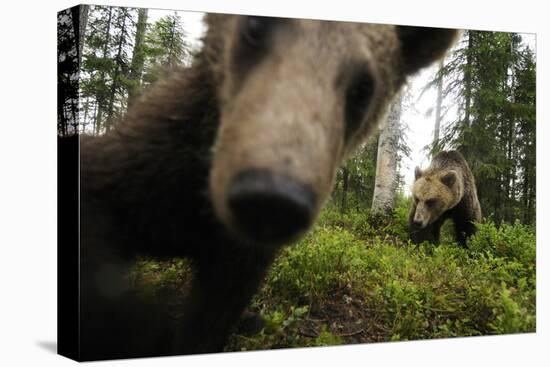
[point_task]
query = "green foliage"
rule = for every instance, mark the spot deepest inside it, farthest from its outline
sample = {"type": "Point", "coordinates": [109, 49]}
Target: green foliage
{"type": "Point", "coordinates": [511, 316]}
{"type": "Point", "coordinates": [67, 74]}
{"type": "Point", "coordinates": [411, 291]}
{"type": "Point", "coordinates": [355, 181]}
{"type": "Point", "coordinates": [162, 281]}
{"type": "Point", "coordinates": [281, 331]}
{"type": "Point", "coordinates": [354, 278]}
{"type": "Point", "coordinates": [514, 242]}
{"type": "Point", "coordinates": [491, 79]}
{"type": "Point", "coordinates": [353, 221]}
{"type": "Point", "coordinates": [364, 224]}
{"type": "Point", "coordinates": [115, 69]}
{"type": "Point", "coordinates": [323, 262]}
{"type": "Point", "coordinates": [104, 80]}
{"type": "Point", "coordinates": [326, 338]}
{"type": "Point", "coordinates": [166, 47]}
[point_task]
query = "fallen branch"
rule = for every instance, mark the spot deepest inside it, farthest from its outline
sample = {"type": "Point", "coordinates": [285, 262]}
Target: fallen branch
{"type": "Point", "coordinates": [351, 334]}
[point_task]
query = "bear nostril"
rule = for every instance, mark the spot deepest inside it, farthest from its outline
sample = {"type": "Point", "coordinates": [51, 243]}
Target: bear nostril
{"type": "Point", "coordinates": [270, 208]}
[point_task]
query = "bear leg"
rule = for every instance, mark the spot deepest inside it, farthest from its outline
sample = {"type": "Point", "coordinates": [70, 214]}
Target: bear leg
{"type": "Point", "coordinates": [431, 233]}
{"type": "Point", "coordinates": [222, 287]}
{"type": "Point", "coordinates": [251, 323]}
{"type": "Point", "coordinates": [463, 230]}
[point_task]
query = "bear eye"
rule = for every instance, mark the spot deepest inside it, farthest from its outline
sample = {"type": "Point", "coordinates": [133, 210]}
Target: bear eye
{"type": "Point", "coordinates": [253, 35]}
{"type": "Point", "coordinates": [358, 97]}
{"type": "Point", "coordinates": [255, 30]}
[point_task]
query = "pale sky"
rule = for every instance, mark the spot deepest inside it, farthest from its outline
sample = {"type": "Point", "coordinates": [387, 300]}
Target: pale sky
{"type": "Point", "coordinates": [419, 119]}
{"type": "Point", "coordinates": [418, 116]}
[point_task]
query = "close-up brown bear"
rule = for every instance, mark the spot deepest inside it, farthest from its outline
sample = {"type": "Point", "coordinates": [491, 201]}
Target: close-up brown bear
{"type": "Point", "coordinates": [444, 190]}
{"type": "Point", "coordinates": [225, 162]}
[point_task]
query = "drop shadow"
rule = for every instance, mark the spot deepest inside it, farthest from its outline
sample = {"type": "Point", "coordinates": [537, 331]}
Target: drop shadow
{"type": "Point", "coordinates": [50, 346]}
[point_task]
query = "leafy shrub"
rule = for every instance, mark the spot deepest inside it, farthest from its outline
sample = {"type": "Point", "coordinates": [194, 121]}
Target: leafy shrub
{"type": "Point", "coordinates": [281, 331]}
{"type": "Point", "coordinates": [417, 291]}
{"type": "Point", "coordinates": [356, 222]}
{"type": "Point", "coordinates": [361, 269]}
{"type": "Point", "coordinates": [325, 260]}
{"type": "Point", "coordinates": [365, 225]}
{"type": "Point", "coordinates": [515, 242]}
{"type": "Point", "coordinates": [162, 281]}
{"type": "Point", "coordinates": [326, 338]}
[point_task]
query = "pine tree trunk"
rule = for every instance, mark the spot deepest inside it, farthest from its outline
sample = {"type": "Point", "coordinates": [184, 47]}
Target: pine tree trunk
{"type": "Point", "coordinates": [83, 22]}
{"type": "Point", "coordinates": [383, 200]}
{"type": "Point", "coordinates": [345, 186]}
{"type": "Point", "coordinates": [94, 118]}
{"type": "Point", "coordinates": [171, 47]}
{"type": "Point", "coordinates": [116, 76]}
{"type": "Point", "coordinates": [525, 198]}
{"type": "Point", "coordinates": [531, 208]}
{"type": "Point", "coordinates": [138, 56]}
{"type": "Point", "coordinates": [100, 100]}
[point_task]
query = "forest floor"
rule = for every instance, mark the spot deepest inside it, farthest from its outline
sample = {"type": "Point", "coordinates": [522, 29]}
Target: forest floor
{"type": "Point", "coordinates": [357, 279]}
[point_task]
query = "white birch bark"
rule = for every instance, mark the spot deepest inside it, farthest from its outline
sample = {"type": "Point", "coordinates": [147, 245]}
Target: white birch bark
{"type": "Point", "coordinates": [386, 163]}
{"type": "Point", "coordinates": [438, 104]}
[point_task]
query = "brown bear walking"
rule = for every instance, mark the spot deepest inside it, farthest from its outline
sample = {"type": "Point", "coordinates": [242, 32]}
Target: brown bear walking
{"type": "Point", "coordinates": [446, 189]}
{"type": "Point", "coordinates": [226, 162]}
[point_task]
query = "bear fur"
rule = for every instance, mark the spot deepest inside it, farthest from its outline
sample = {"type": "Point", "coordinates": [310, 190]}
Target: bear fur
{"type": "Point", "coordinates": [445, 190]}
{"type": "Point", "coordinates": [287, 97]}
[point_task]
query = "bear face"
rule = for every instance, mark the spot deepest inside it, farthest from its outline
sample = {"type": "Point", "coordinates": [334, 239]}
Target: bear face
{"type": "Point", "coordinates": [434, 193]}
{"type": "Point", "coordinates": [297, 97]}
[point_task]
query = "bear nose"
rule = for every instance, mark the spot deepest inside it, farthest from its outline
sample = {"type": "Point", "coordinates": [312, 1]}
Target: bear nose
{"type": "Point", "coordinates": [417, 223]}
{"type": "Point", "coordinates": [270, 208]}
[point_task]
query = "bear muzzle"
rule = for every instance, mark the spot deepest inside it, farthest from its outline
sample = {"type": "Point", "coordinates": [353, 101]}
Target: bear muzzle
{"type": "Point", "coordinates": [269, 208]}
{"type": "Point", "coordinates": [420, 221]}
{"type": "Point", "coordinates": [417, 223]}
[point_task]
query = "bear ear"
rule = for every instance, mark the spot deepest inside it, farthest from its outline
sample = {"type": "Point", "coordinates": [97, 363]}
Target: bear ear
{"type": "Point", "coordinates": [449, 178]}
{"type": "Point", "coordinates": [417, 173]}
{"type": "Point", "coordinates": [420, 46]}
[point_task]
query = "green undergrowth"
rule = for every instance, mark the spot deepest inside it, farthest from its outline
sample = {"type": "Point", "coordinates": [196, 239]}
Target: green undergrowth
{"type": "Point", "coordinates": [356, 278]}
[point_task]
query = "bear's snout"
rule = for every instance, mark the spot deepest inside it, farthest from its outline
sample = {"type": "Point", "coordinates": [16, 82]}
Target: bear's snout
{"type": "Point", "coordinates": [270, 208]}
{"type": "Point", "coordinates": [421, 219]}
{"type": "Point", "coordinates": [417, 223]}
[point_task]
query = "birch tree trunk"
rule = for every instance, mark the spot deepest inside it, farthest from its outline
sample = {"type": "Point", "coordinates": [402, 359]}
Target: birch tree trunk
{"type": "Point", "coordinates": [383, 199]}
{"type": "Point", "coordinates": [511, 148]}
{"type": "Point", "coordinates": [438, 104]}
{"type": "Point", "coordinates": [468, 81]}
